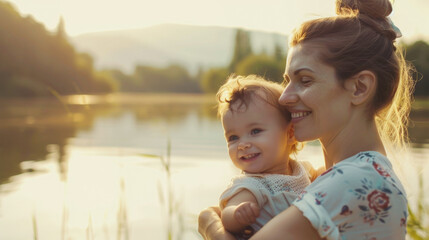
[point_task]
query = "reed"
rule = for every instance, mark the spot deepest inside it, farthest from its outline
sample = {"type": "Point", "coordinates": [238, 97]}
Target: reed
{"type": "Point", "coordinates": [35, 234]}
{"type": "Point", "coordinates": [122, 217]}
{"type": "Point", "coordinates": [89, 229]}
{"type": "Point", "coordinates": [418, 225]}
{"type": "Point", "coordinates": [172, 206]}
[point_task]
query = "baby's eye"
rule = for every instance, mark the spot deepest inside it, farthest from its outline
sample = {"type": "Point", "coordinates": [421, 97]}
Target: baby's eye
{"type": "Point", "coordinates": [255, 131]}
{"type": "Point", "coordinates": [232, 138]}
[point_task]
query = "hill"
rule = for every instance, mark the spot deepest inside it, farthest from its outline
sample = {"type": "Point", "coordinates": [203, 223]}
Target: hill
{"type": "Point", "coordinates": [161, 45]}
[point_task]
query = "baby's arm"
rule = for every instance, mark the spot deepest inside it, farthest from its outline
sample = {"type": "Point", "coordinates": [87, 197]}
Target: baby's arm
{"type": "Point", "coordinates": [240, 211]}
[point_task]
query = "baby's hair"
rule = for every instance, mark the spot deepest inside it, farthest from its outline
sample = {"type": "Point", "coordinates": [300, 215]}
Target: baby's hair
{"type": "Point", "coordinates": [243, 89]}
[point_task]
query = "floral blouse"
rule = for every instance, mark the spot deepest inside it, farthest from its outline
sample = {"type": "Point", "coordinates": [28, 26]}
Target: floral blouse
{"type": "Point", "coordinates": [358, 198]}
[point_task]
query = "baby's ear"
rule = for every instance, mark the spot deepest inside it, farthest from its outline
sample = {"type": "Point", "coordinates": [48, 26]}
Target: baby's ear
{"type": "Point", "coordinates": [361, 86]}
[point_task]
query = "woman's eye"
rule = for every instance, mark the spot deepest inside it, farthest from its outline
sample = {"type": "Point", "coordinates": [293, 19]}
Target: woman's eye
{"type": "Point", "coordinates": [306, 80]}
{"type": "Point", "coordinates": [232, 138]}
{"type": "Point", "coordinates": [255, 131]}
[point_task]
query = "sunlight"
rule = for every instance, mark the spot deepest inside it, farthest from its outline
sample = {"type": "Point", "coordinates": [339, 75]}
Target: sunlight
{"type": "Point", "coordinates": [87, 99]}
{"type": "Point", "coordinates": [271, 15]}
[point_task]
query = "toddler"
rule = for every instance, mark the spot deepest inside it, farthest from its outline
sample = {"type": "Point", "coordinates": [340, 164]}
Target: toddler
{"type": "Point", "coordinates": [260, 141]}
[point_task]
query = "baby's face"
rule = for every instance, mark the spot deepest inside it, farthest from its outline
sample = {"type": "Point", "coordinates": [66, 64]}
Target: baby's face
{"type": "Point", "coordinates": [257, 137]}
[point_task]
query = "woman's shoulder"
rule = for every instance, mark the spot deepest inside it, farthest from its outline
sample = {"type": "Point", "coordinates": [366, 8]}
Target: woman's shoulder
{"type": "Point", "coordinates": [359, 171]}
{"type": "Point", "coordinates": [360, 192]}
{"type": "Point", "coordinates": [363, 163]}
{"type": "Point", "coordinates": [353, 171]}
{"type": "Point", "coordinates": [364, 158]}
{"type": "Point", "coordinates": [368, 157]}
{"type": "Point", "coordinates": [370, 193]}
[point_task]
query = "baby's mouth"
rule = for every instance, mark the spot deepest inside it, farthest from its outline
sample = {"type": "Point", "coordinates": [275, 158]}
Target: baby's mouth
{"type": "Point", "coordinates": [249, 156]}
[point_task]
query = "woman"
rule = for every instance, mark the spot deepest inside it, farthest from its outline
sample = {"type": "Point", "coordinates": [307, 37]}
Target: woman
{"type": "Point", "coordinates": [349, 87]}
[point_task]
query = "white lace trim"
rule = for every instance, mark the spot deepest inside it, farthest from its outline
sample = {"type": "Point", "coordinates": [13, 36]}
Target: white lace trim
{"type": "Point", "coordinates": [276, 183]}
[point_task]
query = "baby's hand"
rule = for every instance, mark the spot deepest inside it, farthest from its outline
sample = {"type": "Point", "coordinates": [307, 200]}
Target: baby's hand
{"type": "Point", "coordinates": [246, 213]}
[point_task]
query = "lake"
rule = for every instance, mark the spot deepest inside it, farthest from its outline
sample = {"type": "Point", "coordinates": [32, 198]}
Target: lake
{"type": "Point", "coordinates": [127, 166]}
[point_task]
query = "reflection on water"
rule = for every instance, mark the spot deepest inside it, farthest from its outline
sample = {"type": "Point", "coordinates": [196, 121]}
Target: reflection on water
{"type": "Point", "coordinates": [19, 144]}
{"type": "Point", "coordinates": [27, 128]}
{"type": "Point", "coordinates": [73, 168]}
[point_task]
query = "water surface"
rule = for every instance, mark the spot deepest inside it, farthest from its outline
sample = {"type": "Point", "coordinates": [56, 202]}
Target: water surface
{"type": "Point", "coordinates": [125, 166]}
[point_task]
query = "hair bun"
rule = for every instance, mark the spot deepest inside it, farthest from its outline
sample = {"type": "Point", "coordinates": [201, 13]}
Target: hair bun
{"type": "Point", "coordinates": [377, 9]}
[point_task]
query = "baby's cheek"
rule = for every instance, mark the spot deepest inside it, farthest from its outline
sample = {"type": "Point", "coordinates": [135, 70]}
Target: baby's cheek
{"type": "Point", "coordinates": [232, 150]}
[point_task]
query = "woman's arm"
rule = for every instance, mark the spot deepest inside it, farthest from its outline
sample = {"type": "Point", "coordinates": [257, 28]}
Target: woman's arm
{"type": "Point", "coordinates": [289, 224]}
{"type": "Point", "coordinates": [210, 225]}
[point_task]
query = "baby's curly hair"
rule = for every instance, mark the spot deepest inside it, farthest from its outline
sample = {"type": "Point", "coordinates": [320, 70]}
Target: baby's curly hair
{"type": "Point", "coordinates": [244, 88]}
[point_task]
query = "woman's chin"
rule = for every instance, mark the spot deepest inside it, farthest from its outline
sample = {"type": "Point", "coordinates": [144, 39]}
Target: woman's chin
{"type": "Point", "coordinates": [304, 137]}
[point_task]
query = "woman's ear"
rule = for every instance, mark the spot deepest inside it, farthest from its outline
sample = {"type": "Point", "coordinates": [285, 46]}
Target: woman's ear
{"type": "Point", "coordinates": [362, 87]}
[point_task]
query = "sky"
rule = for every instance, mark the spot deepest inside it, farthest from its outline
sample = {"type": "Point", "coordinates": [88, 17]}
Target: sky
{"type": "Point", "coordinates": [281, 16]}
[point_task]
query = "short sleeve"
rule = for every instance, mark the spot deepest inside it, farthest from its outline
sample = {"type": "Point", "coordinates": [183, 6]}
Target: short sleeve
{"type": "Point", "coordinates": [356, 199]}
{"type": "Point", "coordinates": [239, 184]}
{"type": "Point", "coordinates": [310, 202]}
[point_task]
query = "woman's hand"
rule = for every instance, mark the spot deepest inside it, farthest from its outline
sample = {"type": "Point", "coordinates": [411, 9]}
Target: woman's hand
{"type": "Point", "coordinates": [210, 225]}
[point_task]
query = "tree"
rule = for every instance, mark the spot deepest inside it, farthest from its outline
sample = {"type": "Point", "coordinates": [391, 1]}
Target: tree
{"type": "Point", "coordinates": [126, 83]}
{"type": "Point", "coordinates": [418, 55]}
{"type": "Point", "coordinates": [34, 59]}
{"type": "Point", "coordinates": [262, 65]}
{"type": "Point", "coordinates": [242, 48]}
{"type": "Point", "coordinates": [213, 79]}
{"type": "Point", "coordinates": [278, 53]}
{"type": "Point", "coordinates": [174, 78]}
{"type": "Point", "coordinates": [61, 29]}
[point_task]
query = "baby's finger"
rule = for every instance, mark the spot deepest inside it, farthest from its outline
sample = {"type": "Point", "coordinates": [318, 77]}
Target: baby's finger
{"type": "Point", "coordinates": [251, 217]}
{"type": "Point", "coordinates": [241, 217]}
{"type": "Point", "coordinates": [255, 209]}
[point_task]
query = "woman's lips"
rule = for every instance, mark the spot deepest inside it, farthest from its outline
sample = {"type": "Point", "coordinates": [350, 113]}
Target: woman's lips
{"type": "Point", "coordinates": [298, 116]}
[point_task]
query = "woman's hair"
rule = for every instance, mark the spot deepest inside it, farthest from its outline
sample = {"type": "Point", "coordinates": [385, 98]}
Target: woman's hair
{"type": "Point", "coordinates": [243, 89]}
{"type": "Point", "coordinates": [361, 38]}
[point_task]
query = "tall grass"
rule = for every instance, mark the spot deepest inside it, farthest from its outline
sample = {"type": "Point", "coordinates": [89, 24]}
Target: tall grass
{"type": "Point", "coordinates": [172, 206]}
{"type": "Point", "coordinates": [34, 221]}
{"type": "Point", "coordinates": [418, 225]}
{"type": "Point", "coordinates": [122, 218]}
{"type": "Point", "coordinates": [90, 229]}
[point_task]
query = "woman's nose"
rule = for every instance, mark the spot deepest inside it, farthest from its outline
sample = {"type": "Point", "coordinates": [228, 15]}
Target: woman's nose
{"type": "Point", "coordinates": [243, 145]}
{"type": "Point", "coordinates": [289, 96]}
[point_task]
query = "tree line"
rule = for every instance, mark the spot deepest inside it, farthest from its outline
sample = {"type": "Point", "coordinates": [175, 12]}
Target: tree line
{"type": "Point", "coordinates": [36, 62]}
{"type": "Point", "coordinates": [245, 61]}
{"type": "Point", "coordinates": [176, 78]}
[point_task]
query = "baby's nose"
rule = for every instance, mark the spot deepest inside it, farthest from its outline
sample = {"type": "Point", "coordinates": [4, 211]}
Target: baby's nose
{"type": "Point", "coordinates": [243, 145]}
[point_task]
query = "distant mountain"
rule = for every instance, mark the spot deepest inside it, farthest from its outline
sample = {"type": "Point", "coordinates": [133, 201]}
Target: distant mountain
{"type": "Point", "coordinates": [161, 45]}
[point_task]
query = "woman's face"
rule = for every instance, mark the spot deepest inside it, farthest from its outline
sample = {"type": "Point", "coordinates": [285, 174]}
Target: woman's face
{"type": "Point", "coordinates": [319, 105]}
